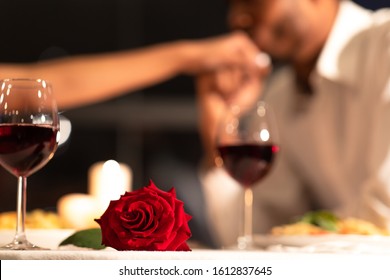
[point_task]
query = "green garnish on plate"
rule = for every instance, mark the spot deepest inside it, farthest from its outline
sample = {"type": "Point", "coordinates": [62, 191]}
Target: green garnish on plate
{"type": "Point", "coordinates": [323, 219]}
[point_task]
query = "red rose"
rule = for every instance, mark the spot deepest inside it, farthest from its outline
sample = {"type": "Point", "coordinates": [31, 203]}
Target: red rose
{"type": "Point", "coordinates": [146, 219]}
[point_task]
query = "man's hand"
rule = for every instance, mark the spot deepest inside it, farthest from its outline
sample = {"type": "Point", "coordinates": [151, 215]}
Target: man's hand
{"type": "Point", "coordinates": [225, 87]}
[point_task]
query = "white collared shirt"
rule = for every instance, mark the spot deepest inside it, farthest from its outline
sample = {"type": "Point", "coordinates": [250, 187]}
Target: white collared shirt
{"type": "Point", "coordinates": [335, 144]}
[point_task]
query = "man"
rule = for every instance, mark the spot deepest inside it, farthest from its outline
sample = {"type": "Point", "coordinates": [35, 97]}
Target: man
{"type": "Point", "coordinates": [332, 103]}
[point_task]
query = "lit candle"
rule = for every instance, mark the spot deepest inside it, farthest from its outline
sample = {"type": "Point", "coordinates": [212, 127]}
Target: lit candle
{"type": "Point", "coordinates": [108, 181]}
{"type": "Point", "coordinates": [78, 211]}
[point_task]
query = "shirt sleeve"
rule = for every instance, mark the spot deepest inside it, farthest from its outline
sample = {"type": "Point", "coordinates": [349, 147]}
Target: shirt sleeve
{"type": "Point", "coordinates": [375, 199]}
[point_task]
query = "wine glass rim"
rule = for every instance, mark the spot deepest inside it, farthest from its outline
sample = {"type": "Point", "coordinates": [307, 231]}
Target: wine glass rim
{"type": "Point", "coordinates": [259, 104]}
{"type": "Point", "coordinates": [38, 80]}
{"type": "Point", "coordinates": [263, 104]}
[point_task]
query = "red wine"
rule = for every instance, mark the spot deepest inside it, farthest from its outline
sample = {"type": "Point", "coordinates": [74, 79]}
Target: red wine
{"type": "Point", "coordinates": [248, 163]}
{"type": "Point", "coordinates": [25, 148]}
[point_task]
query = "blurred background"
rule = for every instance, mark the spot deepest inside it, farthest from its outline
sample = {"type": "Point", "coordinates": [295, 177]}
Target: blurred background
{"type": "Point", "coordinates": [154, 131]}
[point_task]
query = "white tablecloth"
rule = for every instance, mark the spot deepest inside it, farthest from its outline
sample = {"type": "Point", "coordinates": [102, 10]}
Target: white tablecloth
{"type": "Point", "coordinates": [276, 248]}
{"type": "Point", "coordinates": [107, 254]}
{"type": "Point", "coordinates": [328, 259]}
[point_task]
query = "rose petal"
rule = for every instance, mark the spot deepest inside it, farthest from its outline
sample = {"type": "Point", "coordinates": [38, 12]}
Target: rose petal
{"type": "Point", "coordinates": [139, 217]}
{"type": "Point", "coordinates": [183, 247]}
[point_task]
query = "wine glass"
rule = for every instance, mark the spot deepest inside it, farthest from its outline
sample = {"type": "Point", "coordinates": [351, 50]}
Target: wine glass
{"type": "Point", "coordinates": [29, 134]}
{"type": "Point", "coordinates": [247, 144]}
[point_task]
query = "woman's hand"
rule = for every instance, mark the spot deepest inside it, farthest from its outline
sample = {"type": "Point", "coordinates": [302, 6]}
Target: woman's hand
{"type": "Point", "coordinates": [232, 50]}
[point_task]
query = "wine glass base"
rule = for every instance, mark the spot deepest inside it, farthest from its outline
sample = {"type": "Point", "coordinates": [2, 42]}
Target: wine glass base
{"type": "Point", "coordinates": [15, 245]}
{"type": "Point", "coordinates": [245, 243]}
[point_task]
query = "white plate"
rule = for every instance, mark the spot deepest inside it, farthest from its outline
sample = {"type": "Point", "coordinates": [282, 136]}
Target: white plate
{"type": "Point", "coordinates": [307, 240]}
{"type": "Point", "coordinates": [47, 238]}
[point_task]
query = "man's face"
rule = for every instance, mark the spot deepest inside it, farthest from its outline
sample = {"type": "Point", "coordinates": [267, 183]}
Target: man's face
{"type": "Point", "coordinates": [278, 27]}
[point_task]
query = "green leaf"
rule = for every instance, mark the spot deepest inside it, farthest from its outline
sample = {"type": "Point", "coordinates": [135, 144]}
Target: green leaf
{"type": "Point", "coordinates": [323, 219]}
{"type": "Point", "coordinates": [88, 238]}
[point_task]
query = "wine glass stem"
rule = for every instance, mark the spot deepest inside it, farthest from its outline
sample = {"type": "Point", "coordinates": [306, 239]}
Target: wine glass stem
{"type": "Point", "coordinates": [20, 236]}
{"type": "Point", "coordinates": [248, 219]}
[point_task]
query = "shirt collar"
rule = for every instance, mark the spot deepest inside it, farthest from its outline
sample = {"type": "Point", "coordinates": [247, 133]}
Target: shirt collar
{"type": "Point", "coordinates": [350, 20]}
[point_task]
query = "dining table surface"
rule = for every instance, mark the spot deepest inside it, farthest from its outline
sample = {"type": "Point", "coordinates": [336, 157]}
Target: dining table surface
{"type": "Point", "coordinates": [295, 257]}
{"type": "Point", "coordinates": [266, 247]}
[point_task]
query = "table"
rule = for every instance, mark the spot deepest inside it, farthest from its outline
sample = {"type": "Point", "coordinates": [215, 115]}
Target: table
{"type": "Point", "coordinates": [270, 248]}
{"type": "Point", "coordinates": [326, 260]}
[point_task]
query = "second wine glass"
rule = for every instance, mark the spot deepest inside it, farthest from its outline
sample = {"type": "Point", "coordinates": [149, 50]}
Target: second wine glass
{"type": "Point", "coordinates": [247, 144]}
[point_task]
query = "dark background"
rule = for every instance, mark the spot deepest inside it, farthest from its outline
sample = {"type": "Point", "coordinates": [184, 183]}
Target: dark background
{"type": "Point", "coordinates": [145, 125]}
{"type": "Point", "coordinates": [153, 130]}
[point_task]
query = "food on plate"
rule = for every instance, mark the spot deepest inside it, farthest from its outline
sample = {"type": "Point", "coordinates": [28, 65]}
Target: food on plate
{"type": "Point", "coordinates": [36, 219]}
{"type": "Point", "coordinates": [324, 222]}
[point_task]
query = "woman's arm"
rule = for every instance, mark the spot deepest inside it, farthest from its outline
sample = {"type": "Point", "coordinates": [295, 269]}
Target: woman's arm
{"type": "Point", "coordinates": [85, 79]}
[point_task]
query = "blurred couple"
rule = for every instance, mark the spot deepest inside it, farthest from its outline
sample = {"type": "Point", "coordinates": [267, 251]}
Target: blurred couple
{"type": "Point", "coordinates": [329, 88]}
